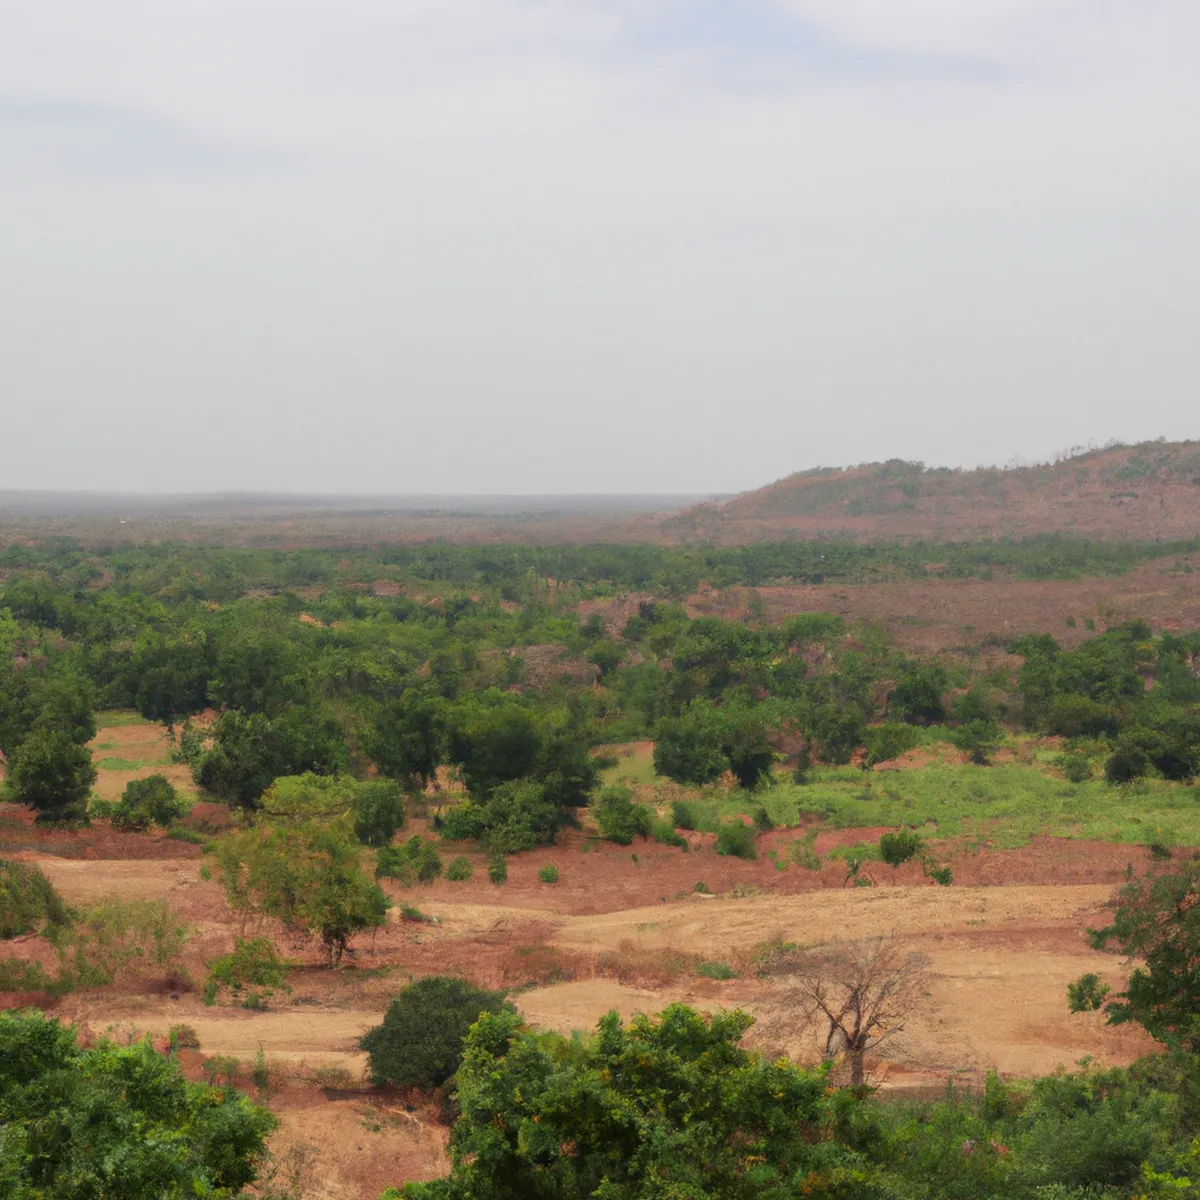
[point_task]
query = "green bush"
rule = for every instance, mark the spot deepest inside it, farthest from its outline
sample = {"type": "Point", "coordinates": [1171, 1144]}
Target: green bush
{"type": "Point", "coordinates": [548, 874]}
{"type": "Point", "coordinates": [118, 1122]}
{"type": "Point", "coordinates": [1087, 994]}
{"type": "Point", "coordinates": [416, 861]}
{"type": "Point", "coordinates": [28, 902]}
{"type": "Point", "coordinates": [252, 973]}
{"type": "Point", "coordinates": [515, 816]}
{"type": "Point", "coordinates": [667, 835]}
{"type": "Point", "coordinates": [890, 740]}
{"type": "Point", "coordinates": [619, 819]}
{"type": "Point", "coordinates": [1077, 767]}
{"type": "Point", "coordinates": [146, 802]}
{"type": "Point", "coordinates": [716, 970]}
{"type": "Point", "coordinates": [682, 815]}
{"type": "Point", "coordinates": [497, 869]}
{"type": "Point", "coordinates": [21, 975]}
{"type": "Point", "coordinates": [465, 822]}
{"type": "Point", "coordinates": [420, 1041]}
{"type": "Point", "coordinates": [123, 937]}
{"type": "Point", "coordinates": [897, 848]}
{"type": "Point", "coordinates": [762, 820]}
{"type": "Point", "coordinates": [736, 840]}
{"type": "Point", "coordinates": [977, 739]}
{"type": "Point", "coordinates": [378, 812]}
{"type": "Point", "coordinates": [459, 869]}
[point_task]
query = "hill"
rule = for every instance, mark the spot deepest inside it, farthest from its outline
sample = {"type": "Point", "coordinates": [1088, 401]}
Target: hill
{"type": "Point", "coordinates": [1143, 492]}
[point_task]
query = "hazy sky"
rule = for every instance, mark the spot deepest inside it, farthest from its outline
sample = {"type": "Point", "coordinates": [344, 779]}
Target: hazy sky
{"type": "Point", "coordinates": [588, 245]}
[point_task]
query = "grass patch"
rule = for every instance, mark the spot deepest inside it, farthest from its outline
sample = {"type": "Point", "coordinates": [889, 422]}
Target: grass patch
{"type": "Point", "coordinates": [131, 764]}
{"type": "Point", "coordinates": [716, 970]}
{"type": "Point", "coordinates": [636, 770]}
{"type": "Point", "coordinates": [118, 718]}
{"type": "Point", "coordinates": [1003, 806]}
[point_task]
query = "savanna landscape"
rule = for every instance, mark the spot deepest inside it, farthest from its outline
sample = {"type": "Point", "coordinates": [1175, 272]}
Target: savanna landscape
{"type": "Point", "coordinates": [867, 802]}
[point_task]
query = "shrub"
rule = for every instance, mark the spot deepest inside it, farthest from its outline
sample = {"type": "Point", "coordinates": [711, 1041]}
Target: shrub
{"type": "Point", "coordinates": [459, 869]}
{"type": "Point", "coordinates": [515, 816]}
{"type": "Point", "coordinates": [1077, 767]}
{"type": "Point", "coordinates": [682, 815]}
{"type": "Point", "coordinates": [1129, 761]}
{"type": "Point", "coordinates": [123, 937]}
{"type": "Point", "coordinates": [736, 840]}
{"type": "Point", "coordinates": [146, 802]}
{"type": "Point", "coordinates": [1087, 994]}
{"type": "Point", "coordinates": [716, 970]}
{"type": "Point", "coordinates": [28, 902]}
{"type": "Point", "coordinates": [420, 1041]}
{"type": "Point", "coordinates": [803, 852]}
{"type": "Point", "coordinates": [252, 973]}
{"type": "Point", "coordinates": [465, 822]}
{"type": "Point", "coordinates": [183, 1037]}
{"type": "Point", "coordinates": [548, 874]}
{"type": "Point", "coordinates": [890, 740]}
{"type": "Point", "coordinates": [497, 869]}
{"type": "Point", "coordinates": [897, 848]}
{"type": "Point", "coordinates": [21, 975]}
{"type": "Point", "coordinates": [702, 888]}
{"type": "Point", "coordinates": [378, 812]}
{"type": "Point", "coordinates": [619, 819]}
{"type": "Point", "coordinates": [416, 861]}
{"type": "Point", "coordinates": [942, 876]}
{"type": "Point", "coordinates": [667, 835]}
{"type": "Point", "coordinates": [762, 820]}
{"type": "Point", "coordinates": [977, 739]}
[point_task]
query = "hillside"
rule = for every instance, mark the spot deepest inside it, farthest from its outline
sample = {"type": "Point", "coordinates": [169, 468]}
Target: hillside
{"type": "Point", "coordinates": [1142, 492]}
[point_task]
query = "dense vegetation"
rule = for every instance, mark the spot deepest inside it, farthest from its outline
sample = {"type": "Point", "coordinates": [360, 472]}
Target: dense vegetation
{"type": "Point", "coordinates": [338, 709]}
{"type": "Point", "coordinates": [118, 1122]}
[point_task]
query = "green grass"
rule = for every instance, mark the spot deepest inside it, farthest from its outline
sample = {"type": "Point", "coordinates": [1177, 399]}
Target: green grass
{"type": "Point", "coordinates": [131, 764]}
{"type": "Point", "coordinates": [116, 718]}
{"type": "Point", "coordinates": [635, 771]}
{"type": "Point", "coordinates": [1002, 805]}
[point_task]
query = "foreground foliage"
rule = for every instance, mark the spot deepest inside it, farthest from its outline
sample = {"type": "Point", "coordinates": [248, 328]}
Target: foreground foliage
{"type": "Point", "coordinates": [670, 1106]}
{"type": "Point", "coordinates": [116, 1123]}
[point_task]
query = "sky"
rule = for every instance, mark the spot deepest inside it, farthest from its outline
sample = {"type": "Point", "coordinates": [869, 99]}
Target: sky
{"type": "Point", "coordinates": [583, 246]}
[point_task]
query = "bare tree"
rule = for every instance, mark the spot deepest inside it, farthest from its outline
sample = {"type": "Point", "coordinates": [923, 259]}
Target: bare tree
{"type": "Point", "coordinates": [859, 992]}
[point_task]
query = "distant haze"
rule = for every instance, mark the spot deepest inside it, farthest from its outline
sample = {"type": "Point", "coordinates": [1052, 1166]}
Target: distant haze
{"type": "Point", "coordinates": [482, 247]}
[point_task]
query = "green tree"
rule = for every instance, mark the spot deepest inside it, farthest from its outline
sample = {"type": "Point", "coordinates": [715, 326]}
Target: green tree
{"type": "Point", "coordinates": [51, 774]}
{"type": "Point", "coordinates": [917, 698]}
{"type": "Point", "coordinates": [378, 812]}
{"type": "Point", "coordinates": [420, 1042]}
{"type": "Point", "coordinates": [1156, 922]}
{"type": "Point", "coordinates": [306, 875]}
{"type": "Point", "coordinates": [406, 738]}
{"type": "Point", "coordinates": [688, 749]}
{"type": "Point", "coordinates": [249, 752]}
{"type": "Point", "coordinates": [118, 1123]}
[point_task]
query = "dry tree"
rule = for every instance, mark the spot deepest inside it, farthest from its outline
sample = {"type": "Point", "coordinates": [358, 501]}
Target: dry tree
{"type": "Point", "coordinates": [859, 993]}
